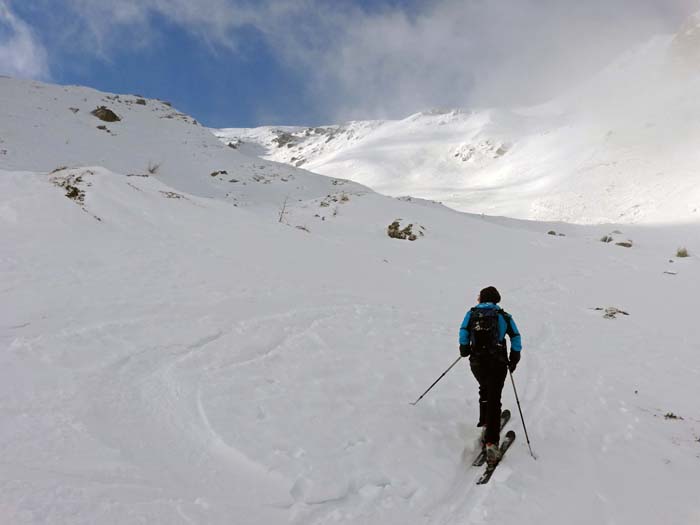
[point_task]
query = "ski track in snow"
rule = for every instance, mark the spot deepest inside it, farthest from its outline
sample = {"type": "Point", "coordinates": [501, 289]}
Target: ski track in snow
{"type": "Point", "coordinates": [168, 383]}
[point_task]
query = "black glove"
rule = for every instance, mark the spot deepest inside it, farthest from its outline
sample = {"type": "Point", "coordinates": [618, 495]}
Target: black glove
{"type": "Point", "coordinates": [464, 350]}
{"type": "Point", "coordinates": [513, 361]}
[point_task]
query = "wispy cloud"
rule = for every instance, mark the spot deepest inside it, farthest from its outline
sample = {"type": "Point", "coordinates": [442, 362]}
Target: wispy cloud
{"type": "Point", "coordinates": [21, 54]}
{"type": "Point", "coordinates": [396, 58]}
{"type": "Point", "coordinates": [465, 53]}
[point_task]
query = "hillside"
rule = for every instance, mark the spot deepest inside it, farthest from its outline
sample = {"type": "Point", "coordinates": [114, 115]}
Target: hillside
{"type": "Point", "coordinates": [619, 149]}
{"type": "Point", "coordinates": [45, 127]}
{"type": "Point", "coordinates": [179, 348]}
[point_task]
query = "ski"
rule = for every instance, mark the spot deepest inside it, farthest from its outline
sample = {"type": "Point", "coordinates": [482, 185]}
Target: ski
{"type": "Point", "coordinates": [481, 458]}
{"type": "Point", "coordinates": [486, 476]}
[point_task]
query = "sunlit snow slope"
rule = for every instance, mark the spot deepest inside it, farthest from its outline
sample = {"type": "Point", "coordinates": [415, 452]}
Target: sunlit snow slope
{"type": "Point", "coordinates": [620, 148]}
{"type": "Point", "coordinates": [180, 348]}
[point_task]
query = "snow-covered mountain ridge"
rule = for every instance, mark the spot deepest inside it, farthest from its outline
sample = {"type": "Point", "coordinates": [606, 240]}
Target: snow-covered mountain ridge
{"type": "Point", "coordinates": [180, 345]}
{"type": "Point", "coordinates": [622, 148]}
{"type": "Point", "coordinates": [44, 127]}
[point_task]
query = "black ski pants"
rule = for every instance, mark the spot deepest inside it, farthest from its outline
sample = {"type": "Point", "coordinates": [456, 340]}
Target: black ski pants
{"type": "Point", "coordinates": [490, 372]}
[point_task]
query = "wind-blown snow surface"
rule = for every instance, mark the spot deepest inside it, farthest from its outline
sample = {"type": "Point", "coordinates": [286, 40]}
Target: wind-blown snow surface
{"type": "Point", "coordinates": [168, 357]}
{"type": "Point", "coordinates": [621, 148]}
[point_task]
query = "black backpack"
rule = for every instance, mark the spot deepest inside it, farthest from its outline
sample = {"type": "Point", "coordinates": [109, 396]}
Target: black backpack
{"type": "Point", "coordinates": [484, 337]}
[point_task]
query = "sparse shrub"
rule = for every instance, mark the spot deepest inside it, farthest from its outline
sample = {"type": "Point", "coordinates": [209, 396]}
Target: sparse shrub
{"type": "Point", "coordinates": [551, 232]}
{"type": "Point", "coordinates": [141, 101]}
{"type": "Point", "coordinates": [395, 231]}
{"type": "Point", "coordinates": [671, 415]}
{"type": "Point", "coordinates": [283, 209]}
{"type": "Point", "coordinates": [71, 184]}
{"type": "Point", "coordinates": [606, 238]}
{"type": "Point", "coordinates": [219, 172]}
{"type": "Point", "coordinates": [72, 192]}
{"type": "Point", "coordinates": [153, 168]}
{"type": "Point", "coordinates": [610, 312]}
{"type": "Point", "coordinates": [106, 114]}
{"type": "Point", "coordinates": [682, 252]}
{"type": "Point", "coordinates": [334, 197]}
{"type": "Point", "coordinates": [624, 244]}
{"type": "Point", "coordinates": [172, 195]}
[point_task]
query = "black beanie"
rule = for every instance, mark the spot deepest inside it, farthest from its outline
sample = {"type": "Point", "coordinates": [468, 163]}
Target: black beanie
{"type": "Point", "coordinates": [489, 295]}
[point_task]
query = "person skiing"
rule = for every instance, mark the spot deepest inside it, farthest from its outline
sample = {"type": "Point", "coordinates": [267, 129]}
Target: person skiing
{"type": "Point", "coordinates": [482, 339]}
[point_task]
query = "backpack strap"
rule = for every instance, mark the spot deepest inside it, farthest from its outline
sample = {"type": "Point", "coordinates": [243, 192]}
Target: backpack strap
{"type": "Point", "coordinates": [509, 327]}
{"type": "Point", "coordinates": [470, 324]}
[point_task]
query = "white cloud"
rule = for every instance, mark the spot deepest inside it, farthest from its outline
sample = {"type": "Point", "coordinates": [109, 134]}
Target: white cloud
{"type": "Point", "coordinates": [464, 53]}
{"type": "Point", "coordinates": [21, 55]}
{"type": "Point", "coordinates": [397, 60]}
{"type": "Point", "coordinates": [119, 24]}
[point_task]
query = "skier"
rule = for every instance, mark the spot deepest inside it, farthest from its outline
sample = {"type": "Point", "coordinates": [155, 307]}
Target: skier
{"type": "Point", "coordinates": [482, 338]}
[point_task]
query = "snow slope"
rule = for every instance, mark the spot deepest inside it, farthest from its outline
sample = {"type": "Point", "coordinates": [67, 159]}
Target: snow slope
{"type": "Point", "coordinates": [46, 127]}
{"type": "Point", "coordinates": [169, 357]}
{"type": "Point", "coordinates": [621, 148]}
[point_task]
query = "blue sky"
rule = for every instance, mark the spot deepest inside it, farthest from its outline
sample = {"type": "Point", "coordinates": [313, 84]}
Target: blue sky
{"type": "Point", "coordinates": [220, 87]}
{"type": "Point", "coordinates": [217, 86]}
{"type": "Point", "coordinates": [253, 62]}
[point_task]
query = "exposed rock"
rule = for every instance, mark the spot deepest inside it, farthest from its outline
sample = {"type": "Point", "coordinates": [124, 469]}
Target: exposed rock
{"type": "Point", "coordinates": [106, 114]}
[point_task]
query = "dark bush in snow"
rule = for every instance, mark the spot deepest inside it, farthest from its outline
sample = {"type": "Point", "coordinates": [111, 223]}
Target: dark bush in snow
{"type": "Point", "coordinates": [395, 231]}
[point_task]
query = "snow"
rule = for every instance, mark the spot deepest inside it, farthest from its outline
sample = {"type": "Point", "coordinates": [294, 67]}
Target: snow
{"type": "Point", "coordinates": [618, 149]}
{"type": "Point", "coordinates": [173, 352]}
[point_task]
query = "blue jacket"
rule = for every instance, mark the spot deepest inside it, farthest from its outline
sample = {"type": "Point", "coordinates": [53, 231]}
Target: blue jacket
{"type": "Point", "coordinates": [506, 325]}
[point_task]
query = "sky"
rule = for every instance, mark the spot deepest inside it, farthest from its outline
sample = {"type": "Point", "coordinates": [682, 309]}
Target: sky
{"type": "Point", "coordinates": [243, 63]}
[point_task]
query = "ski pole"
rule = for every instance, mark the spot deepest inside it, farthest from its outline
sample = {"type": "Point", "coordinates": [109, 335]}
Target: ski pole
{"type": "Point", "coordinates": [521, 414]}
{"type": "Point", "coordinates": [436, 381]}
